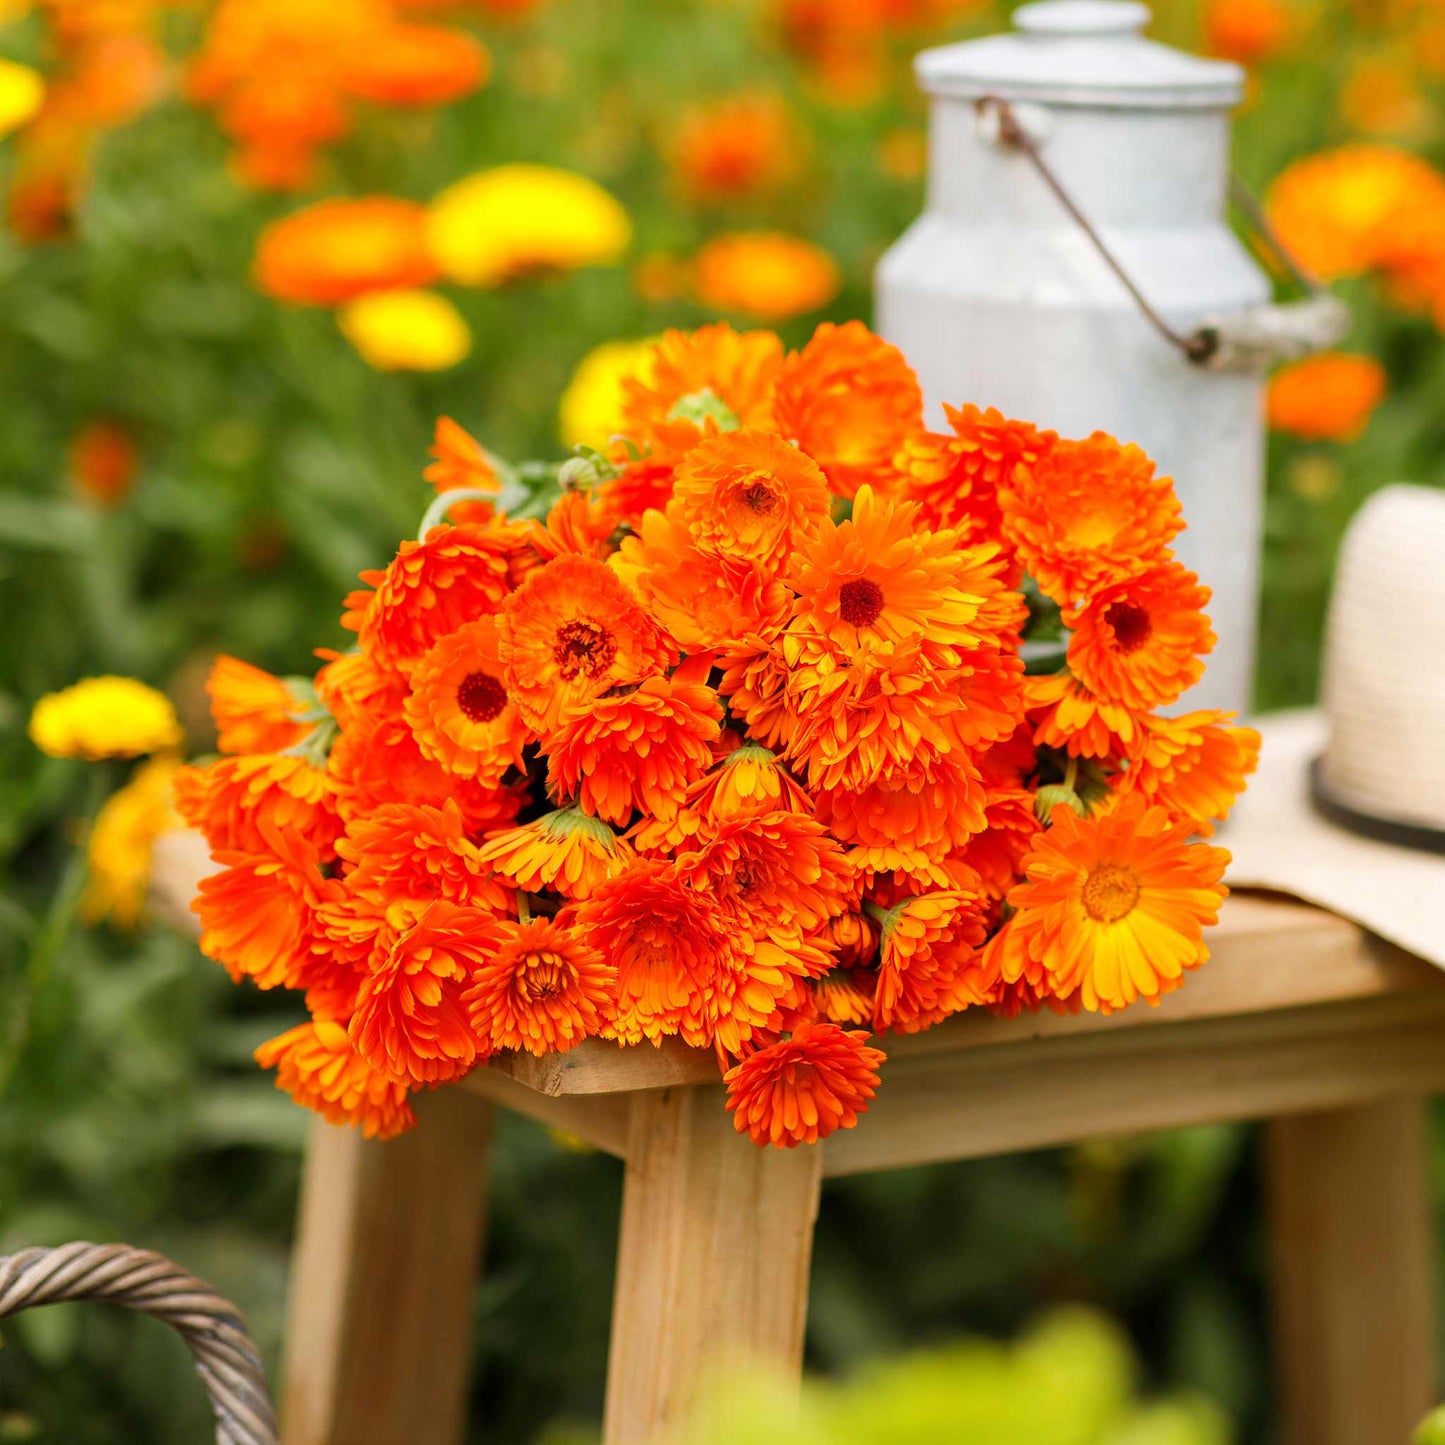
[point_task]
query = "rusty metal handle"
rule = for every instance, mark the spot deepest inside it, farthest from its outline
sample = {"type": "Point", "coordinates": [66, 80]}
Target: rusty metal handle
{"type": "Point", "coordinates": [1254, 338]}
{"type": "Point", "coordinates": [225, 1358]}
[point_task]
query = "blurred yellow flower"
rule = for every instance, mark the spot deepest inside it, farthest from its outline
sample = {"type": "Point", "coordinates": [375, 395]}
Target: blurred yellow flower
{"type": "Point", "coordinates": [764, 274]}
{"type": "Point", "coordinates": [590, 413]}
{"type": "Point", "coordinates": [105, 717]}
{"type": "Point", "coordinates": [118, 851]}
{"type": "Point", "coordinates": [512, 221]}
{"type": "Point", "coordinates": [21, 92]}
{"type": "Point", "coordinates": [405, 330]}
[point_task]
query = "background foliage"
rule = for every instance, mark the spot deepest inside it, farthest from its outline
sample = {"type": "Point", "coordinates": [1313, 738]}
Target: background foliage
{"type": "Point", "coordinates": [275, 466]}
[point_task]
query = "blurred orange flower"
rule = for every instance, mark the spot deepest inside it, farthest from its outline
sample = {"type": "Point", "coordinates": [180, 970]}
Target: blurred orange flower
{"type": "Point", "coordinates": [765, 274]}
{"type": "Point", "coordinates": [335, 250]}
{"type": "Point", "coordinates": [1329, 397]}
{"type": "Point", "coordinates": [418, 65]}
{"type": "Point", "coordinates": [104, 460]}
{"type": "Point", "coordinates": [736, 148]}
{"type": "Point", "coordinates": [1248, 31]}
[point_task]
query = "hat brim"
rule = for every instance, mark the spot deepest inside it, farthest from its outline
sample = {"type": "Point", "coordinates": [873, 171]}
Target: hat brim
{"type": "Point", "coordinates": [1280, 840]}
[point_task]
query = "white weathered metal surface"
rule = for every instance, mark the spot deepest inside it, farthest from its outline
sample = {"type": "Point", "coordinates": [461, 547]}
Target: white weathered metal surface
{"type": "Point", "coordinates": [997, 297]}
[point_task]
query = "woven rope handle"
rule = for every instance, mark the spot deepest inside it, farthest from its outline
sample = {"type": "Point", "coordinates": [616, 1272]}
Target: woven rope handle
{"type": "Point", "coordinates": [225, 1358]}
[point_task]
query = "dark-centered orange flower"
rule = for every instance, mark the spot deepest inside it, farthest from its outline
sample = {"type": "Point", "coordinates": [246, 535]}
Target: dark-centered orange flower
{"type": "Point", "coordinates": [340, 249]}
{"type": "Point", "coordinates": [1329, 397]}
{"type": "Point", "coordinates": [459, 709]}
{"type": "Point", "coordinates": [316, 1064]}
{"type": "Point", "coordinates": [1087, 514]}
{"type": "Point", "coordinates": [1114, 907]}
{"type": "Point", "coordinates": [634, 747]}
{"type": "Point", "coordinates": [849, 400]}
{"type": "Point", "coordinates": [543, 988]}
{"type": "Point", "coordinates": [570, 632]}
{"type": "Point", "coordinates": [801, 1089]}
{"type": "Point", "coordinates": [748, 496]}
{"type": "Point", "coordinates": [1141, 642]}
{"type": "Point", "coordinates": [410, 1021]}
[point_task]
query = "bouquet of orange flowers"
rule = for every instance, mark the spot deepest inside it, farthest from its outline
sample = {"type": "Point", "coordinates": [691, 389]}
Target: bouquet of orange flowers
{"type": "Point", "coordinates": [784, 717]}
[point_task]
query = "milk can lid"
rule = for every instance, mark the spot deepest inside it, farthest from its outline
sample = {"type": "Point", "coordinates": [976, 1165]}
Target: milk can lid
{"type": "Point", "coordinates": [1081, 52]}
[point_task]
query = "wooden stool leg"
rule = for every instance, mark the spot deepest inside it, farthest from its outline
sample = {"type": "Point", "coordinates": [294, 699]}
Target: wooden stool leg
{"type": "Point", "coordinates": [387, 1252]}
{"type": "Point", "coordinates": [1353, 1273]}
{"type": "Point", "coordinates": [712, 1264]}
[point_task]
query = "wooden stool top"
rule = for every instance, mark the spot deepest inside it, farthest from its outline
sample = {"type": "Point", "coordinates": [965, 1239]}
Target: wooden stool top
{"type": "Point", "coordinates": [1297, 1009]}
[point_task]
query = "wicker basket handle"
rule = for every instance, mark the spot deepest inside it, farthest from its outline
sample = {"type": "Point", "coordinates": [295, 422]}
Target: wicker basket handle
{"type": "Point", "coordinates": [226, 1360]}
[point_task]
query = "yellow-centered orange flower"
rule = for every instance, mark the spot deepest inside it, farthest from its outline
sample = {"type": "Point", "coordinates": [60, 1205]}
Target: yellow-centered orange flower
{"type": "Point", "coordinates": [1114, 907]}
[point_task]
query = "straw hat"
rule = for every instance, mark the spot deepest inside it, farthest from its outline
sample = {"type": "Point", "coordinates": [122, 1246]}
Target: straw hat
{"type": "Point", "coordinates": [1348, 807]}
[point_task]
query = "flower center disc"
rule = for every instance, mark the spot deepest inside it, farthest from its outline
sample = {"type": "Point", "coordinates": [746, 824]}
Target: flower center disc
{"type": "Point", "coordinates": [1110, 893]}
{"type": "Point", "coordinates": [1130, 624]}
{"type": "Point", "coordinates": [860, 602]}
{"type": "Point", "coordinates": [584, 647]}
{"type": "Point", "coordinates": [542, 975]}
{"type": "Point", "coordinates": [481, 697]}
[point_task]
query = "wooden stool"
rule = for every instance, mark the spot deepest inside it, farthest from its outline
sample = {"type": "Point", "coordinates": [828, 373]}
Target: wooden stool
{"type": "Point", "coordinates": [1299, 1018]}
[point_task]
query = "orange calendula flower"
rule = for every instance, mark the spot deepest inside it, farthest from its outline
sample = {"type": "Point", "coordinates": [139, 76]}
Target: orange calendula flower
{"type": "Point", "coordinates": [543, 988]}
{"type": "Point", "coordinates": [1067, 715]}
{"type": "Point", "coordinates": [765, 274]}
{"type": "Point", "coordinates": [849, 400]}
{"type": "Point", "coordinates": [703, 601]}
{"type": "Point", "coordinates": [803, 1088]}
{"type": "Point", "coordinates": [1088, 514]}
{"type": "Point", "coordinates": [634, 748]}
{"type": "Point", "coordinates": [316, 1064]}
{"type": "Point", "coordinates": [254, 712]}
{"type": "Point", "coordinates": [410, 1021]}
{"type": "Point", "coordinates": [103, 462]}
{"type": "Point", "coordinates": [432, 588]}
{"type": "Point", "coordinates": [845, 996]}
{"type": "Point", "coordinates": [1114, 907]}
{"type": "Point", "coordinates": [1193, 766]}
{"type": "Point", "coordinates": [748, 496]}
{"type": "Point", "coordinates": [412, 854]}
{"type": "Point", "coordinates": [929, 965]}
{"type": "Point", "coordinates": [459, 710]}
{"type": "Point", "coordinates": [1334, 211]}
{"type": "Point", "coordinates": [956, 479]}
{"type": "Point", "coordinates": [460, 460]}
{"type": "Point", "coordinates": [257, 914]}
{"type": "Point", "coordinates": [681, 970]}
{"type": "Point", "coordinates": [751, 780]}
{"type": "Point", "coordinates": [236, 800]}
{"type": "Point", "coordinates": [570, 632]}
{"type": "Point", "coordinates": [339, 249]}
{"type": "Point", "coordinates": [774, 872]}
{"type": "Point", "coordinates": [1329, 397]}
{"type": "Point", "coordinates": [743, 146]}
{"type": "Point", "coordinates": [1248, 31]}
{"type": "Point", "coordinates": [878, 578]}
{"type": "Point", "coordinates": [934, 802]}
{"type": "Point", "coordinates": [418, 65]}
{"type": "Point", "coordinates": [567, 851]}
{"type": "Point", "coordinates": [1142, 641]}
{"type": "Point", "coordinates": [713, 378]}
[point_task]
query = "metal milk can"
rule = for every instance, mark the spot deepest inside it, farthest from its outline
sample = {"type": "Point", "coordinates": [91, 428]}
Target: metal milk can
{"type": "Point", "coordinates": [1073, 267]}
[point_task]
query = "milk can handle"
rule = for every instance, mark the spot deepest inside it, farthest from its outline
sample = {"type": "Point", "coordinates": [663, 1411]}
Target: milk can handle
{"type": "Point", "coordinates": [1254, 338]}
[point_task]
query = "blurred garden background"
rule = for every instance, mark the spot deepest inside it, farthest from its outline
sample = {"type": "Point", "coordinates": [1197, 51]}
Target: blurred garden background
{"type": "Point", "coordinates": [216, 402]}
